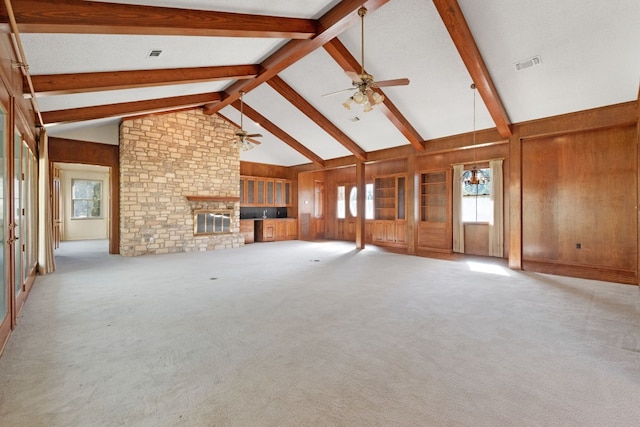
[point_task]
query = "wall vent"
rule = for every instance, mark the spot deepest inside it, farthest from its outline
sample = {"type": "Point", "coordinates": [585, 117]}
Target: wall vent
{"type": "Point", "coordinates": [154, 53]}
{"type": "Point", "coordinates": [527, 63]}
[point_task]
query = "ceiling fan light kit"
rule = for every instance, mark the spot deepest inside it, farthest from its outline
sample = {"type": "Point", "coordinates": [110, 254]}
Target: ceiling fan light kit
{"type": "Point", "coordinates": [241, 141]}
{"type": "Point", "coordinates": [364, 83]}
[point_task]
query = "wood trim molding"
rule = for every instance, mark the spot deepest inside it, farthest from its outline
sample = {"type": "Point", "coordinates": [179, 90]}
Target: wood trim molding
{"type": "Point", "coordinates": [128, 108]}
{"type": "Point", "coordinates": [348, 62]}
{"type": "Point", "coordinates": [456, 24]}
{"type": "Point", "coordinates": [213, 198]}
{"type": "Point", "coordinates": [88, 17]}
{"type": "Point", "coordinates": [597, 118]}
{"type": "Point", "coordinates": [52, 84]}
{"type": "Point", "coordinates": [310, 111]}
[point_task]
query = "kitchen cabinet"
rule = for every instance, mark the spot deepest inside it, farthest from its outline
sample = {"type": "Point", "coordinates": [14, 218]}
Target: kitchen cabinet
{"type": "Point", "coordinates": [247, 230]}
{"type": "Point", "coordinates": [276, 229]}
{"type": "Point", "coordinates": [255, 191]}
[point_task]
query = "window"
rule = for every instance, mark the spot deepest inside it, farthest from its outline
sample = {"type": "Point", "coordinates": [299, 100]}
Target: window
{"type": "Point", "coordinates": [342, 207]}
{"type": "Point", "coordinates": [368, 204]}
{"type": "Point", "coordinates": [353, 201]}
{"type": "Point", "coordinates": [86, 199]}
{"type": "Point", "coordinates": [477, 205]}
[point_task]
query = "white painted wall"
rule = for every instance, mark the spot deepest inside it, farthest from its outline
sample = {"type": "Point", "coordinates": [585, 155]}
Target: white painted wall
{"type": "Point", "coordinates": [83, 229]}
{"type": "Point", "coordinates": [101, 131]}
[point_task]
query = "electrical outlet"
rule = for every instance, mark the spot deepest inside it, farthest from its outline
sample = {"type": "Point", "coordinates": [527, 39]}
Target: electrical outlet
{"type": "Point", "coordinates": [578, 245]}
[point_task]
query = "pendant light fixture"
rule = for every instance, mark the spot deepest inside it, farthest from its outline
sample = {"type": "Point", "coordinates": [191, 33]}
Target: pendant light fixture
{"type": "Point", "coordinates": [474, 176]}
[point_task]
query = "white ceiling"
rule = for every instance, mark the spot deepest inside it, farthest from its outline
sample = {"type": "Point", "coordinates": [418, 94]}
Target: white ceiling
{"type": "Point", "coordinates": [588, 50]}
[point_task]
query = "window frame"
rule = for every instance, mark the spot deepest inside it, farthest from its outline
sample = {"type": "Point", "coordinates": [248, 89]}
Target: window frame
{"type": "Point", "coordinates": [485, 195]}
{"type": "Point", "coordinates": [89, 208]}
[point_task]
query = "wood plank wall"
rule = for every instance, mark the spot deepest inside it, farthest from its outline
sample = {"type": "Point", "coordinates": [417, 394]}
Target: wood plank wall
{"type": "Point", "coordinates": [579, 203]}
{"type": "Point", "coordinates": [568, 179]}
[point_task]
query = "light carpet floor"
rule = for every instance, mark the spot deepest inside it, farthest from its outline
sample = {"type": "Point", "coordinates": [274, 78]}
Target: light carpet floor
{"type": "Point", "coordinates": [318, 334]}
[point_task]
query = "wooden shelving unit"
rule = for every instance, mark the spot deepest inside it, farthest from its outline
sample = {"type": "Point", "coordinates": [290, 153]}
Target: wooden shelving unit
{"type": "Point", "coordinates": [433, 197]}
{"type": "Point", "coordinates": [389, 197]}
{"type": "Point", "coordinates": [434, 228]}
{"type": "Point", "coordinates": [390, 224]}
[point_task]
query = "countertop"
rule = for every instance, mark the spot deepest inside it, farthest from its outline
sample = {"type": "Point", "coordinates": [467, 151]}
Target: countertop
{"type": "Point", "coordinates": [260, 219]}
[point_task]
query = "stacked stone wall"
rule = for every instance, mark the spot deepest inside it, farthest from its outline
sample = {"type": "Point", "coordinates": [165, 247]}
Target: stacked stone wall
{"type": "Point", "coordinates": [164, 159]}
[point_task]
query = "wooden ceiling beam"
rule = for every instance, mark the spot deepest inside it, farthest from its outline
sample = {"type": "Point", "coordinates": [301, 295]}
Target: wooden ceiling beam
{"type": "Point", "coordinates": [310, 111]}
{"type": "Point", "coordinates": [88, 17]}
{"type": "Point", "coordinates": [54, 84]}
{"type": "Point", "coordinates": [348, 62]}
{"type": "Point", "coordinates": [278, 133]}
{"type": "Point", "coordinates": [129, 108]}
{"type": "Point", "coordinates": [462, 37]}
{"type": "Point", "coordinates": [330, 25]}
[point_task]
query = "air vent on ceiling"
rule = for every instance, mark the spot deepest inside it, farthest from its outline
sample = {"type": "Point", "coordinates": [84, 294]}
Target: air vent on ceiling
{"type": "Point", "coordinates": [354, 119]}
{"type": "Point", "coordinates": [527, 63]}
{"type": "Point", "coordinates": [154, 53]}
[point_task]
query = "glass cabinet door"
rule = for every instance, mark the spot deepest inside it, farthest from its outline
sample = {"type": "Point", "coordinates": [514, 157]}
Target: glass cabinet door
{"type": "Point", "coordinates": [251, 191]}
{"type": "Point", "coordinates": [270, 192]}
{"type": "Point", "coordinates": [279, 200]}
{"type": "Point", "coordinates": [260, 192]}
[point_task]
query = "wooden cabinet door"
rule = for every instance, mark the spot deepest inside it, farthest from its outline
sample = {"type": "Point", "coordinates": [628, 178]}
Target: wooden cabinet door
{"type": "Point", "coordinates": [287, 193]}
{"type": "Point", "coordinates": [292, 229]}
{"type": "Point", "coordinates": [270, 200]}
{"type": "Point", "coordinates": [378, 231]}
{"type": "Point", "coordinates": [401, 232]}
{"type": "Point", "coordinates": [279, 193]}
{"type": "Point", "coordinates": [260, 192]}
{"type": "Point", "coordinates": [281, 229]}
{"type": "Point", "coordinates": [389, 231]}
{"type": "Point", "coordinates": [251, 192]}
{"type": "Point", "coordinates": [268, 231]}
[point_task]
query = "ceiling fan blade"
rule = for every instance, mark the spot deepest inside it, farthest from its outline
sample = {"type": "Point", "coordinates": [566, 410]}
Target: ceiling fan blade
{"type": "Point", "coordinates": [395, 82]}
{"type": "Point", "coordinates": [254, 141]}
{"type": "Point", "coordinates": [254, 135]}
{"type": "Point", "coordinates": [339, 91]}
{"type": "Point", "coordinates": [355, 77]}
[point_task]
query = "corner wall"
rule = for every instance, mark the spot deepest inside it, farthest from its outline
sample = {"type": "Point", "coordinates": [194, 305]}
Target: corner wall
{"type": "Point", "coordinates": [163, 159]}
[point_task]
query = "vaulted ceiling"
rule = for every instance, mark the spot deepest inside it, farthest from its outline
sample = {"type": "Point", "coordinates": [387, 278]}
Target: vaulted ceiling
{"type": "Point", "coordinates": [90, 66]}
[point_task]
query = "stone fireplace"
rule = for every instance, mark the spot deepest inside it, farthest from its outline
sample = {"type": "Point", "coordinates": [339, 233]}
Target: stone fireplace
{"type": "Point", "coordinates": [172, 166]}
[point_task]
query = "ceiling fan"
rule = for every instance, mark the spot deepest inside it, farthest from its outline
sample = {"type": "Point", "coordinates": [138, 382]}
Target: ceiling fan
{"type": "Point", "coordinates": [243, 139]}
{"type": "Point", "coordinates": [364, 83]}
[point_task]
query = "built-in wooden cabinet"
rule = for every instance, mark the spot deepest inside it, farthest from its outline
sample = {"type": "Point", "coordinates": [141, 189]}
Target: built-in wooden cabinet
{"type": "Point", "coordinates": [390, 204]}
{"type": "Point", "coordinates": [270, 230]}
{"type": "Point", "coordinates": [256, 191]}
{"type": "Point", "coordinates": [434, 229]}
{"type": "Point", "coordinates": [247, 230]}
{"type": "Point", "coordinates": [390, 197]}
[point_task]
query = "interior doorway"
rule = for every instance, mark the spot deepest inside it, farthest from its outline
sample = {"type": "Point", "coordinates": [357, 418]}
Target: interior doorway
{"type": "Point", "coordinates": [82, 200]}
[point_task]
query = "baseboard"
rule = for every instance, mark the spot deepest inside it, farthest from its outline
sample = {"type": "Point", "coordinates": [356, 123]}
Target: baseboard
{"type": "Point", "coordinates": [629, 277]}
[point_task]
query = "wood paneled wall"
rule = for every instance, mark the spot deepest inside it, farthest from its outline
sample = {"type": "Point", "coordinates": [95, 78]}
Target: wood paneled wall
{"type": "Point", "coordinates": [579, 203]}
{"type": "Point", "coordinates": [568, 179]}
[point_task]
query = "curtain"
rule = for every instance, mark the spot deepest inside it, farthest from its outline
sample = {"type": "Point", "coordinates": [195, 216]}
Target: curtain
{"type": "Point", "coordinates": [496, 226]}
{"type": "Point", "coordinates": [46, 261]}
{"type": "Point", "coordinates": [458, 225]}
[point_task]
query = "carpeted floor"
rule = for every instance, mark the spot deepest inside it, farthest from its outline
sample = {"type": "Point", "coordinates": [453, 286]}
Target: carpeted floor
{"type": "Point", "coordinates": [318, 334]}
